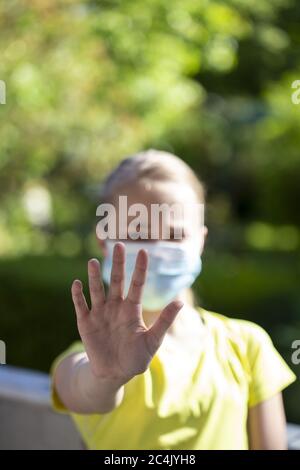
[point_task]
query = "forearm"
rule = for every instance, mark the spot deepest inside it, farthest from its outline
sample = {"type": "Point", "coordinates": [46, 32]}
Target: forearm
{"type": "Point", "coordinates": [81, 391]}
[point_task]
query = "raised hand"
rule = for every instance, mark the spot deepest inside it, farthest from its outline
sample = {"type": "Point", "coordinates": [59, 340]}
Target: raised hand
{"type": "Point", "coordinates": [116, 339]}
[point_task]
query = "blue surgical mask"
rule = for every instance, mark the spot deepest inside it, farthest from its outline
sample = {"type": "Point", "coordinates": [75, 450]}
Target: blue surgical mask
{"type": "Point", "coordinates": [173, 266]}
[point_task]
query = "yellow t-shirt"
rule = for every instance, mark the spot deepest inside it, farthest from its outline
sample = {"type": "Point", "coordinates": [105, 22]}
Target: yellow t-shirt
{"type": "Point", "coordinates": [202, 404]}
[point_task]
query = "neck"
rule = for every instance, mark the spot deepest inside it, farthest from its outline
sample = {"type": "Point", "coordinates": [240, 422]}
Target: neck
{"type": "Point", "coordinates": [150, 316]}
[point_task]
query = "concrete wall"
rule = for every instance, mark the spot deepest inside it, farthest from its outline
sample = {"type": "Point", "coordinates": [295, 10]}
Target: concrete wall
{"type": "Point", "coordinates": [28, 422]}
{"type": "Point", "coordinates": [26, 418]}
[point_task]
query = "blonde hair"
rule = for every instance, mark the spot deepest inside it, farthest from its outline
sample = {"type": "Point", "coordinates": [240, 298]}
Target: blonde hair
{"type": "Point", "coordinates": [151, 166]}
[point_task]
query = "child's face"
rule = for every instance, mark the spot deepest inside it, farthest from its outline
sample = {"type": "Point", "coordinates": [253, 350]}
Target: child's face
{"type": "Point", "coordinates": [158, 193]}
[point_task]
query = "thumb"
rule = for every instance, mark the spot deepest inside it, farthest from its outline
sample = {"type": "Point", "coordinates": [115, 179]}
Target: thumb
{"type": "Point", "coordinates": [158, 330]}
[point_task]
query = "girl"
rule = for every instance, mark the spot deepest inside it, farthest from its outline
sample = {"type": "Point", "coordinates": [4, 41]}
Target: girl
{"type": "Point", "coordinates": [152, 370]}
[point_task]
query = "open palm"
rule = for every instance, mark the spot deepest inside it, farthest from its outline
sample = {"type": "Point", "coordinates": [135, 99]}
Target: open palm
{"type": "Point", "coordinates": [116, 339]}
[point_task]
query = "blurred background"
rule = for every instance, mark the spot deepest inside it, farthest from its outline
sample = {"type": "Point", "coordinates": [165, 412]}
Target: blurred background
{"type": "Point", "coordinates": [90, 82]}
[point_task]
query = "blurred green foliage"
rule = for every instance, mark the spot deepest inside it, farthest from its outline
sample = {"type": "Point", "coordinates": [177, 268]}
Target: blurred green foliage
{"type": "Point", "coordinates": [89, 82]}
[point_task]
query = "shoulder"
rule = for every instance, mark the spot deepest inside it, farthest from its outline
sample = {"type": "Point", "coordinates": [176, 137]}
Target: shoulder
{"type": "Point", "coordinates": [237, 325]}
{"type": "Point", "coordinates": [266, 370]}
{"type": "Point", "coordinates": [245, 333]}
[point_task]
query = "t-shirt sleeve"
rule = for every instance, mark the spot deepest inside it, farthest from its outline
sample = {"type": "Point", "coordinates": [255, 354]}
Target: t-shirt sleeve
{"type": "Point", "coordinates": [56, 403]}
{"type": "Point", "coordinates": [269, 373]}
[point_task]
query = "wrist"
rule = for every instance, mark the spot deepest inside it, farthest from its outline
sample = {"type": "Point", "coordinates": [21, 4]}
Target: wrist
{"type": "Point", "coordinates": [109, 381]}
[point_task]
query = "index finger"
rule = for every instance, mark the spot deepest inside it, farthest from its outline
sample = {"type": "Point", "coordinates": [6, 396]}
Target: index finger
{"type": "Point", "coordinates": [117, 276]}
